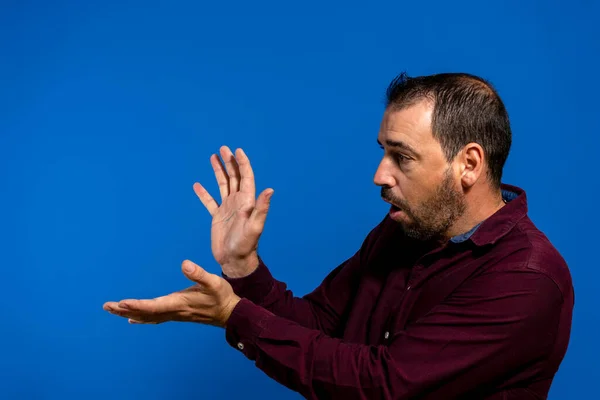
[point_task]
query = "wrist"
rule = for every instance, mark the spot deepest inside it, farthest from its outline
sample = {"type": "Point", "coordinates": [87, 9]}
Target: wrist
{"type": "Point", "coordinates": [241, 268]}
{"type": "Point", "coordinates": [235, 299]}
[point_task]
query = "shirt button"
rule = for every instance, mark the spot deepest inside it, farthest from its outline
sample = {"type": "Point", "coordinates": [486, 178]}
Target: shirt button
{"type": "Point", "coordinates": [408, 288]}
{"type": "Point", "coordinates": [240, 346]}
{"type": "Point", "coordinates": [386, 335]}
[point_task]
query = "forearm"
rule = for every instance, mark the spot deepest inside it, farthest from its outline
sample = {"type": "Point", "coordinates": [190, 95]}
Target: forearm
{"type": "Point", "coordinates": [264, 290]}
{"type": "Point", "coordinates": [306, 360]}
{"type": "Point", "coordinates": [326, 307]}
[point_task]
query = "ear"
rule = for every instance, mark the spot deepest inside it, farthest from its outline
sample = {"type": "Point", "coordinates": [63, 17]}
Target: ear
{"type": "Point", "coordinates": [472, 164]}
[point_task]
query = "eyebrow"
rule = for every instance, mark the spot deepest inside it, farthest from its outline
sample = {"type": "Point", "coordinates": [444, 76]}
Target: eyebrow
{"type": "Point", "coordinates": [400, 145]}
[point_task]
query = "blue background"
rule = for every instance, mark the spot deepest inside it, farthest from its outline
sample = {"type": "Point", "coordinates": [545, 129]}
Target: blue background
{"type": "Point", "coordinates": [109, 112]}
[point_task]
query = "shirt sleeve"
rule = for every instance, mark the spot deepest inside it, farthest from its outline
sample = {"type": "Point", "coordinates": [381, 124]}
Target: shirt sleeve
{"type": "Point", "coordinates": [496, 323]}
{"type": "Point", "coordinates": [325, 307]}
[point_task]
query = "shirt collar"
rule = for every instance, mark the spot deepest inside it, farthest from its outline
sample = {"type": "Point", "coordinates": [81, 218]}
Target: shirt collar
{"type": "Point", "coordinates": [501, 222]}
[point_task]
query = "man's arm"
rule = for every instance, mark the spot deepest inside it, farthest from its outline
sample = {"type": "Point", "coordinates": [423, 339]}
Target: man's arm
{"type": "Point", "coordinates": [499, 321]}
{"type": "Point", "coordinates": [324, 307]}
{"type": "Point", "coordinates": [238, 223]}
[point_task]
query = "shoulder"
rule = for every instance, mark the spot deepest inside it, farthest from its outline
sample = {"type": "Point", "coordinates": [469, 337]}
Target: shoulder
{"type": "Point", "coordinates": [527, 249]}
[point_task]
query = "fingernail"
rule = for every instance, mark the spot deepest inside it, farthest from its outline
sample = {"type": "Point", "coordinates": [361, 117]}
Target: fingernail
{"type": "Point", "coordinates": [188, 267]}
{"type": "Point", "coordinates": [123, 305]}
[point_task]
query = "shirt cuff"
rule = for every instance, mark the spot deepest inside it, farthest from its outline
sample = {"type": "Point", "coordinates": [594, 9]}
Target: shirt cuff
{"type": "Point", "coordinates": [256, 286]}
{"type": "Point", "coordinates": [246, 323]}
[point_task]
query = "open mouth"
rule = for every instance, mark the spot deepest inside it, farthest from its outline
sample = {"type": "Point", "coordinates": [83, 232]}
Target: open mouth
{"type": "Point", "coordinates": [396, 212]}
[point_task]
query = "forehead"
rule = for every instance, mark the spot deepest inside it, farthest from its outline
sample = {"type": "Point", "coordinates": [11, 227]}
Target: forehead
{"type": "Point", "coordinates": [410, 125]}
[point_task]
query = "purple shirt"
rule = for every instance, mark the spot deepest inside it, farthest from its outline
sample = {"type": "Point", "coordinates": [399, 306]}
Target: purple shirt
{"type": "Point", "coordinates": [485, 316]}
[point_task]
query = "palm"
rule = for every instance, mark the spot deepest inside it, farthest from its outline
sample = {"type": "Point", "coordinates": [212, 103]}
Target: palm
{"type": "Point", "coordinates": [210, 301]}
{"type": "Point", "coordinates": [231, 236]}
{"type": "Point", "coordinates": [239, 221]}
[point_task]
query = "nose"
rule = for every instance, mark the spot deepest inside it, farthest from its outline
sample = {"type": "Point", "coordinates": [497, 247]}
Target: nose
{"type": "Point", "coordinates": [382, 176]}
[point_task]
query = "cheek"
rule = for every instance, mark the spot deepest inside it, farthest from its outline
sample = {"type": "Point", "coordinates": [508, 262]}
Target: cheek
{"type": "Point", "coordinates": [410, 186]}
{"type": "Point", "coordinates": [413, 192]}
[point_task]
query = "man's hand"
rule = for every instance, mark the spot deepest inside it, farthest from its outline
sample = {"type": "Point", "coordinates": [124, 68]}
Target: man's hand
{"type": "Point", "coordinates": [239, 221]}
{"type": "Point", "coordinates": [210, 302]}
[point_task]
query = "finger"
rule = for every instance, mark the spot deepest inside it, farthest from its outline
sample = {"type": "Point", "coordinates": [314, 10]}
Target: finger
{"type": "Point", "coordinates": [197, 274]}
{"type": "Point", "coordinates": [221, 175]}
{"type": "Point", "coordinates": [109, 305]}
{"type": "Point", "coordinates": [135, 321]}
{"type": "Point", "coordinates": [206, 199]}
{"type": "Point", "coordinates": [233, 169]}
{"type": "Point", "coordinates": [113, 308]}
{"type": "Point", "coordinates": [259, 214]}
{"type": "Point", "coordinates": [247, 184]}
{"type": "Point", "coordinates": [159, 305]}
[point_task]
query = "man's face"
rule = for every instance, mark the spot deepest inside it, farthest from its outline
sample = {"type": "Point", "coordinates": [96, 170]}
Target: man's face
{"type": "Point", "coordinates": [414, 176]}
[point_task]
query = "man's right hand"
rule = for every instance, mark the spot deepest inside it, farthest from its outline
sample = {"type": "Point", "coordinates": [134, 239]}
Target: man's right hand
{"type": "Point", "coordinates": [239, 221]}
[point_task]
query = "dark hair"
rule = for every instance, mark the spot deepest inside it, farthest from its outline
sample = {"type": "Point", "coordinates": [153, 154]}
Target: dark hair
{"type": "Point", "coordinates": [466, 108]}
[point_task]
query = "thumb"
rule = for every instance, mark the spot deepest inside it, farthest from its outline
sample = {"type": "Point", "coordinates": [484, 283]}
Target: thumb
{"type": "Point", "coordinates": [259, 214]}
{"type": "Point", "coordinates": [196, 273]}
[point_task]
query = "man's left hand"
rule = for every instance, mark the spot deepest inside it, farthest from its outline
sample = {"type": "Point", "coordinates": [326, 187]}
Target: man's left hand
{"type": "Point", "coordinates": [210, 302]}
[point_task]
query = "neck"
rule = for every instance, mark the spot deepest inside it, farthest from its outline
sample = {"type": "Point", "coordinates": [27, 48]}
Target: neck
{"type": "Point", "coordinates": [479, 208]}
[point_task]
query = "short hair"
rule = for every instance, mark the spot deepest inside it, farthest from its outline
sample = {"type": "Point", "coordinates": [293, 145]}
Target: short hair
{"type": "Point", "coordinates": [466, 108]}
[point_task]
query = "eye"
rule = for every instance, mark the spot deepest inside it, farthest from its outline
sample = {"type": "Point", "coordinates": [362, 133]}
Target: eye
{"type": "Point", "coordinates": [400, 158]}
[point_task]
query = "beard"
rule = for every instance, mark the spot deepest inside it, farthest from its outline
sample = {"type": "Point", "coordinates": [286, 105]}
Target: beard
{"type": "Point", "coordinates": [431, 219]}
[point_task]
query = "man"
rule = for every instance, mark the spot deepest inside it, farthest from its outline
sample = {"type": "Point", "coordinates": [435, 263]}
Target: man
{"type": "Point", "coordinates": [455, 294]}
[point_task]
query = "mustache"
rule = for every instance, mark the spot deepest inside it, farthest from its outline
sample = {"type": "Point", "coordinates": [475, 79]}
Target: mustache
{"type": "Point", "coordinates": [387, 195]}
